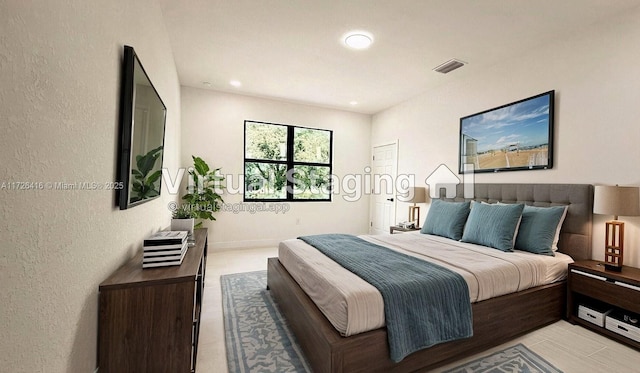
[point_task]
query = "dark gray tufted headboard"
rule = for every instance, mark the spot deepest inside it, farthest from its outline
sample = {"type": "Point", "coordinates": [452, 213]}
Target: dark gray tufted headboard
{"type": "Point", "coordinates": [575, 236]}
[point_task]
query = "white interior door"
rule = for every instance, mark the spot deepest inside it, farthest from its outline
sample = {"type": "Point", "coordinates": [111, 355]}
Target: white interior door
{"type": "Point", "coordinates": [384, 172]}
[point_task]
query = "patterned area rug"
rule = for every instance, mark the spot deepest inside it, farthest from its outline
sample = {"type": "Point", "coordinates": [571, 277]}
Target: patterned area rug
{"type": "Point", "coordinates": [513, 359]}
{"type": "Point", "coordinates": [257, 336]}
{"type": "Point", "coordinates": [259, 340]}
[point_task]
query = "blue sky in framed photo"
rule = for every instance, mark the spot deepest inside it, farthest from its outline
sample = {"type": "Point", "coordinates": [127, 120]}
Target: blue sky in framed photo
{"type": "Point", "coordinates": [524, 125]}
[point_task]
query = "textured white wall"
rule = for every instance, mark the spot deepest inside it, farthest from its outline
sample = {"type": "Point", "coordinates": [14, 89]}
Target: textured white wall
{"type": "Point", "coordinates": [597, 83]}
{"type": "Point", "coordinates": [59, 101]}
{"type": "Point", "coordinates": [213, 128]}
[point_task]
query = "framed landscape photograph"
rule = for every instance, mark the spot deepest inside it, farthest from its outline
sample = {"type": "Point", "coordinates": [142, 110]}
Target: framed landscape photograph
{"type": "Point", "coordinates": [512, 137]}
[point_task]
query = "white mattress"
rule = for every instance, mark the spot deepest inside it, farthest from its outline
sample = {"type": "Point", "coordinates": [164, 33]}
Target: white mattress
{"type": "Point", "coordinates": [354, 306]}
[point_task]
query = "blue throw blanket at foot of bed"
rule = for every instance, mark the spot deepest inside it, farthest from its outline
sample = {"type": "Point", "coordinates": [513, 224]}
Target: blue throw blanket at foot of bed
{"type": "Point", "coordinates": [424, 303]}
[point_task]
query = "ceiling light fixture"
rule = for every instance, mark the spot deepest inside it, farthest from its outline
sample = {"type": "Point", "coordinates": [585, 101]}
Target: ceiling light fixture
{"type": "Point", "coordinates": [358, 39]}
{"type": "Point", "coordinates": [235, 83]}
{"type": "Point", "coordinates": [353, 103]}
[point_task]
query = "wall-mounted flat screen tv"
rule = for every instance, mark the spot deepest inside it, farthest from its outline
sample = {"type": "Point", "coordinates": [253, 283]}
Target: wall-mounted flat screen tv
{"type": "Point", "coordinates": [142, 124]}
{"type": "Point", "coordinates": [512, 137]}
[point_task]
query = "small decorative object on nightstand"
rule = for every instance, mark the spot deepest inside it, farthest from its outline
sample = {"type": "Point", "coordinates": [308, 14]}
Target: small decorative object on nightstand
{"type": "Point", "coordinates": [615, 200]}
{"type": "Point", "coordinates": [604, 301]}
{"type": "Point", "coordinates": [414, 195]}
{"type": "Point", "coordinates": [402, 228]}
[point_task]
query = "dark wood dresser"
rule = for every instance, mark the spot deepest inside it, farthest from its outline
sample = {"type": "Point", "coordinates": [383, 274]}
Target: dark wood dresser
{"type": "Point", "coordinates": [149, 319]}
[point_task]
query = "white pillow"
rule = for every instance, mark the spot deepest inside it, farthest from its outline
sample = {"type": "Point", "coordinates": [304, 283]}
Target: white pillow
{"type": "Point", "coordinates": [554, 247]}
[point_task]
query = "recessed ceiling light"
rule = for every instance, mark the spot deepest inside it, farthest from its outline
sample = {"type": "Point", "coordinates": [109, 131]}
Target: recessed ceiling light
{"type": "Point", "coordinates": [358, 39]}
{"type": "Point", "coordinates": [235, 83]}
{"type": "Point", "coordinates": [353, 103]}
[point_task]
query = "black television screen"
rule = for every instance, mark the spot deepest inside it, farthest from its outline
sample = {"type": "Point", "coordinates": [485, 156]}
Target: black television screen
{"type": "Point", "coordinates": [142, 125]}
{"type": "Point", "coordinates": [512, 137]}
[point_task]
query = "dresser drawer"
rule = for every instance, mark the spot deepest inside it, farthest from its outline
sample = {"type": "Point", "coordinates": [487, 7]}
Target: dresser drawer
{"type": "Point", "coordinates": [616, 293]}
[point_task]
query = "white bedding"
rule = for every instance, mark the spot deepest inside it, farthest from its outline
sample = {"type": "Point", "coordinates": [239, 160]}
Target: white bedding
{"type": "Point", "coordinates": [354, 306]}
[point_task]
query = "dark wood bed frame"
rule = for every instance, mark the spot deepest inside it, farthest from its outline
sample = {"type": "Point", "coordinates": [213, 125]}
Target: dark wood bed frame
{"type": "Point", "coordinates": [495, 320]}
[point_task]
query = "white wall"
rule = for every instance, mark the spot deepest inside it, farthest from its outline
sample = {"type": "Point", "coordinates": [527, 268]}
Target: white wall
{"type": "Point", "coordinates": [597, 81]}
{"type": "Point", "coordinates": [213, 129]}
{"type": "Point", "coordinates": [60, 77]}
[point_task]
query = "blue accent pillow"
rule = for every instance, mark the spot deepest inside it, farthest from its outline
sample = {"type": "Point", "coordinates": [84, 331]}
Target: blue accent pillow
{"type": "Point", "coordinates": [538, 229]}
{"type": "Point", "coordinates": [493, 225]}
{"type": "Point", "coordinates": [446, 219]}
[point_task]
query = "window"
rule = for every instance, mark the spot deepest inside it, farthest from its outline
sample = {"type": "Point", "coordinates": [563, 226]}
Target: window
{"type": "Point", "coordinates": [286, 163]}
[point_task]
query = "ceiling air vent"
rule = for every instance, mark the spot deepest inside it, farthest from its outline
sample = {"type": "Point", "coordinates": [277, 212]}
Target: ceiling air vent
{"type": "Point", "coordinates": [449, 66]}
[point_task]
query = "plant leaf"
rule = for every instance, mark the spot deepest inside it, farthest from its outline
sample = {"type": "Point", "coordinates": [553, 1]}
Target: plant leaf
{"type": "Point", "coordinates": [154, 176]}
{"type": "Point", "coordinates": [200, 165]}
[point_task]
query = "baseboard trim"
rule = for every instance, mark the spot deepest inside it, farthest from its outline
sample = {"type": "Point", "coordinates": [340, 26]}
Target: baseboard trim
{"type": "Point", "coordinates": [252, 244]}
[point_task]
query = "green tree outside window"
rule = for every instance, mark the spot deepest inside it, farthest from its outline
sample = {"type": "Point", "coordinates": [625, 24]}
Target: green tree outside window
{"type": "Point", "coordinates": [286, 163]}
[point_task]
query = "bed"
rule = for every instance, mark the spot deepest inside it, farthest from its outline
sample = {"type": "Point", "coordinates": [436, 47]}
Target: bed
{"type": "Point", "coordinates": [495, 320]}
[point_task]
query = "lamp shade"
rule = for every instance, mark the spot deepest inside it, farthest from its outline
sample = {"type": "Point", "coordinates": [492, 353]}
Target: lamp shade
{"type": "Point", "coordinates": [415, 195]}
{"type": "Point", "coordinates": [616, 200]}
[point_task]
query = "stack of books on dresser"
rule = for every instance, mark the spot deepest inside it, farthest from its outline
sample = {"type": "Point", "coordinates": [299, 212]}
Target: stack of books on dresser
{"type": "Point", "coordinates": [164, 248]}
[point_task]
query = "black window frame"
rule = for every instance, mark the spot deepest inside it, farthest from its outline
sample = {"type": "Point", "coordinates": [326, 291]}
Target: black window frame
{"type": "Point", "coordinates": [289, 162]}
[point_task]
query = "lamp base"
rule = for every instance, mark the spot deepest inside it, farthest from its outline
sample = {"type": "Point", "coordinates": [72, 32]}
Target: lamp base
{"type": "Point", "coordinates": [611, 267]}
{"type": "Point", "coordinates": [614, 245]}
{"type": "Point", "coordinates": [414, 215]}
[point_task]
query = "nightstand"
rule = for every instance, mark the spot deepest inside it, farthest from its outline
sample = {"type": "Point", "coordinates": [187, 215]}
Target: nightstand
{"type": "Point", "coordinates": [398, 228]}
{"type": "Point", "coordinates": [597, 299]}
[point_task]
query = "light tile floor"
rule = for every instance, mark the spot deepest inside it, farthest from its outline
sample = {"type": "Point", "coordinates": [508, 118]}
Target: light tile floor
{"type": "Point", "coordinates": [568, 347]}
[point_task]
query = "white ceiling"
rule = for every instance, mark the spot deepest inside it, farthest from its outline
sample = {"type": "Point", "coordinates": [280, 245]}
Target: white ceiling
{"type": "Point", "coordinates": [291, 49]}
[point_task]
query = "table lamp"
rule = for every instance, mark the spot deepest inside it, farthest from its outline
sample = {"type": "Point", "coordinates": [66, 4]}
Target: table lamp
{"type": "Point", "coordinates": [416, 195]}
{"type": "Point", "coordinates": [616, 201]}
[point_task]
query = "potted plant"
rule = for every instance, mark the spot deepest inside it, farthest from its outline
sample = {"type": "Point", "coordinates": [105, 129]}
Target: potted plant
{"type": "Point", "coordinates": [183, 219]}
{"type": "Point", "coordinates": [202, 197]}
